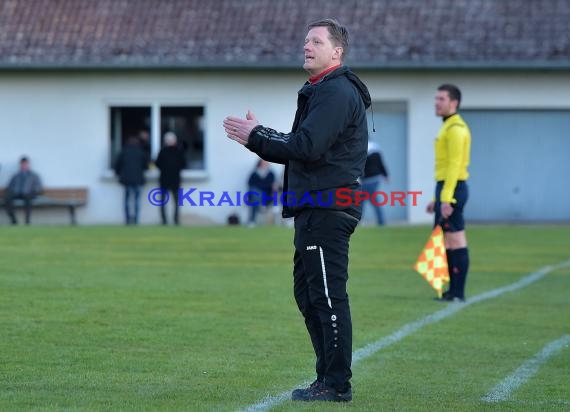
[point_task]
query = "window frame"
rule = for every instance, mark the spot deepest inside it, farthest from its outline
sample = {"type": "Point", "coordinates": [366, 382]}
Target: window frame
{"type": "Point", "coordinates": [155, 137]}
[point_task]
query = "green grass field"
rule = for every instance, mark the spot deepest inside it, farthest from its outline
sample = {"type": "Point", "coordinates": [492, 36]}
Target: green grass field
{"type": "Point", "coordinates": [203, 319]}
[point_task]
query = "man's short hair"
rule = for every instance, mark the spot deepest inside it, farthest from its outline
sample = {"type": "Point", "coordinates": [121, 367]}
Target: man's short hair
{"type": "Point", "coordinates": [337, 32]}
{"type": "Point", "coordinates": [24, 159]}
{"type": "Point", "coordinates": [453, 91]}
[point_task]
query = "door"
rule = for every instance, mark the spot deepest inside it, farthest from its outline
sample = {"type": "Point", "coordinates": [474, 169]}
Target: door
{"type": "Point", "coordinates": [520, 165]}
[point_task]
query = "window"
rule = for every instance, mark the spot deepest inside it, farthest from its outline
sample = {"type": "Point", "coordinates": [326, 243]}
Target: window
{"type": "Point", "coordinates": [128, 122]}
{"type": "Point", "coordinates": [150, 123]}
{"type": "Point", "coordinates": [187, 124]}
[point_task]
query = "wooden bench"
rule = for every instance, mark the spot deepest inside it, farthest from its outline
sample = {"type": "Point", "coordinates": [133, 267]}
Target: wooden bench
{"type": "Point", "coordinates": [55, 197]}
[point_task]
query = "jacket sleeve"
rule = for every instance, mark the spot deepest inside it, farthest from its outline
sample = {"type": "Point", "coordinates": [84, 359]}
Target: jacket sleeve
{"type": "Point", "coordinates": [145, 160]}
{"type": "Point", "coordinates": [383, 168]}
{"type": "Point", "coordinates": [252, 181]}
{"type": "Point", "coordinates": [159, 160]}
{"type": "Point", "coordinates": [12, 185]}
{"type": "Point", "coordinates": [278, 160]}
{"type": "Point", "coordinates": [119, 164]}
{"type": "Point", "coordinates": [455, 144]}
{"type": "Point", "coordinates": [329, 111]}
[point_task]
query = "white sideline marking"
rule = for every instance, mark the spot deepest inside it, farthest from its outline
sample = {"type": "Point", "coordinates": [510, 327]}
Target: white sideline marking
{"type": "Point", "coordinates": [269, 401]}
{"type": "Point", "coordinates": [527, 370]}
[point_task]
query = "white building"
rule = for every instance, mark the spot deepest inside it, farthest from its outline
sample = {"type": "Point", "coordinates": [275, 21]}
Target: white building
{"type": "Point", "coordinates": [72, 89]}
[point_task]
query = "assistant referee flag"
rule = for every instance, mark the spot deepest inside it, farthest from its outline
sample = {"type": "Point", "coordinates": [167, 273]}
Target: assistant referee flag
{"type": "Point", "coordinates": [432, 262]}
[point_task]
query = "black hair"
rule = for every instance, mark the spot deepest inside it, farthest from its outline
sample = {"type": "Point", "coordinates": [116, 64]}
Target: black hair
{"type": "Point", "coordinates": [453, 91]}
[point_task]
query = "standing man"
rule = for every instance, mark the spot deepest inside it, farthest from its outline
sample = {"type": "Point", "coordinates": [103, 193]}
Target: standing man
{"type": "Point", "coordinates": [324, 152]}
{"type": "Point", "coordinates": [452, 148]}
{"type": "Point", "coordinates": [130, 167]}
{"type": "Point", "coordinates": [170, 162]}
{"type": "Point", "coordinates": [24, 185]}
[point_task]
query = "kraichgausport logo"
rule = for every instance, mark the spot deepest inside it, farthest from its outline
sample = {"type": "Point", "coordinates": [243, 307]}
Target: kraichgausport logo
{"type": "Point", "coordinates": [340, 197]}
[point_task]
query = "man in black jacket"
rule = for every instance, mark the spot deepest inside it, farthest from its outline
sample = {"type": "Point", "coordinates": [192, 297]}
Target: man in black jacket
{"type": "Point", "coordinates": [170, 162]}
{"type": "Point", "coordinates": [324, 156]}
{"type": "Point", "coordinates": [130, 167]}
{"type": "Point", "coordinates": [24, 185]}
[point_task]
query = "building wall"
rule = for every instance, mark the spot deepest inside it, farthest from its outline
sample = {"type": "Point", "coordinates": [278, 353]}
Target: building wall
{"type": "Point", "coordinates": [485, 90]}
{"type": "Point", "coordinates": [61, 121]}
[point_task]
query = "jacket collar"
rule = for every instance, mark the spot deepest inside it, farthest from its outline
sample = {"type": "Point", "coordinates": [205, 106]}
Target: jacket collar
{"type": "Point", "coordinates": [318, 77]}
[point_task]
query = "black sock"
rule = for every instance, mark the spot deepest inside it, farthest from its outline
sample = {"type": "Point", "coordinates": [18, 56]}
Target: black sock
{"type": "Point", "coordinates": [449, 254]}
{"type": "Point", "coordinates": [461, 261]}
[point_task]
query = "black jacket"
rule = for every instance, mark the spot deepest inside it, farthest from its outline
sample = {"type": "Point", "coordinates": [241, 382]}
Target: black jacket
{"type": "Point", "coordinates": [263, 183]}
{"type": "Point", "coordinates": [131, 164]}
{"type": "Point", "coordinates": [26, 184]}
{"type": "Point", "coordinates": [375, 165]}
{"type": "Point", "coordinates": [170, 162]}
{"type": "Point", "coordinates": [326, 149]}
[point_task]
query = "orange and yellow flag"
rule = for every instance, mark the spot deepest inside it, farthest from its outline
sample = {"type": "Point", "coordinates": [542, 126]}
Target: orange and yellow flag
{"type": "Point", "coordinates": [432, 262]}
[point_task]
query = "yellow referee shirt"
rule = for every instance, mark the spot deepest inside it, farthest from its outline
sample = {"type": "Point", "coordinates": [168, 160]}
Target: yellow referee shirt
{"type": "Point", "coordinates": [452, 148]}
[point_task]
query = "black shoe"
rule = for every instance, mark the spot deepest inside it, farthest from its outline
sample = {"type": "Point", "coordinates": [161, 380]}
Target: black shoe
{"type": "Point", "coordinates": [303, 394]}
{"type": "Point", "coordinates": [449, 298]}
{"type": "Point", "coordinates": [327, 394]}
{"type": "Point", "coordinates": [446, 297]}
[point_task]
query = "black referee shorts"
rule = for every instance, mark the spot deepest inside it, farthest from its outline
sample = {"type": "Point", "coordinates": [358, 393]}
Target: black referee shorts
{"type": "Point", "coordinates": [455, 222]}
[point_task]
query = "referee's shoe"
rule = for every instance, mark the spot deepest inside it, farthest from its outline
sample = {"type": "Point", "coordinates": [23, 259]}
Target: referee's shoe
{"type": "Point", "coordinates": [448, 297]}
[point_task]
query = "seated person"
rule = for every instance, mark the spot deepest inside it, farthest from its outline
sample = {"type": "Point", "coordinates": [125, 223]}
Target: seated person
{"type": "Point", "coordinates": [24, 185]}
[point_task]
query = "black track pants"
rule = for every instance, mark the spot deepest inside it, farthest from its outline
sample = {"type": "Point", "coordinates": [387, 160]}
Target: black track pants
{"type": "Point", "coordinates": [320, 274]}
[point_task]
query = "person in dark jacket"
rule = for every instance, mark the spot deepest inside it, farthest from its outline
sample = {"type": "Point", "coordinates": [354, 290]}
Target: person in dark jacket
{"type": "Point", "coordinates": [24, 185]}
{"type": "Point", "coordinates": [324, 157]}
{"type": "Point", "coordinates": [374, 171]}
{"type": "Point", "coordinates": [170, 162]}
{"type": "Point", "coordinates": [261, 182]}
{"type": "Point", "coordinates": [129, 167]}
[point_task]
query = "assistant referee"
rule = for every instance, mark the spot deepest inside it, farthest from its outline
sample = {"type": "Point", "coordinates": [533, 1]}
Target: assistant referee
{"type": "Point", "coordinates": [452, 152]}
